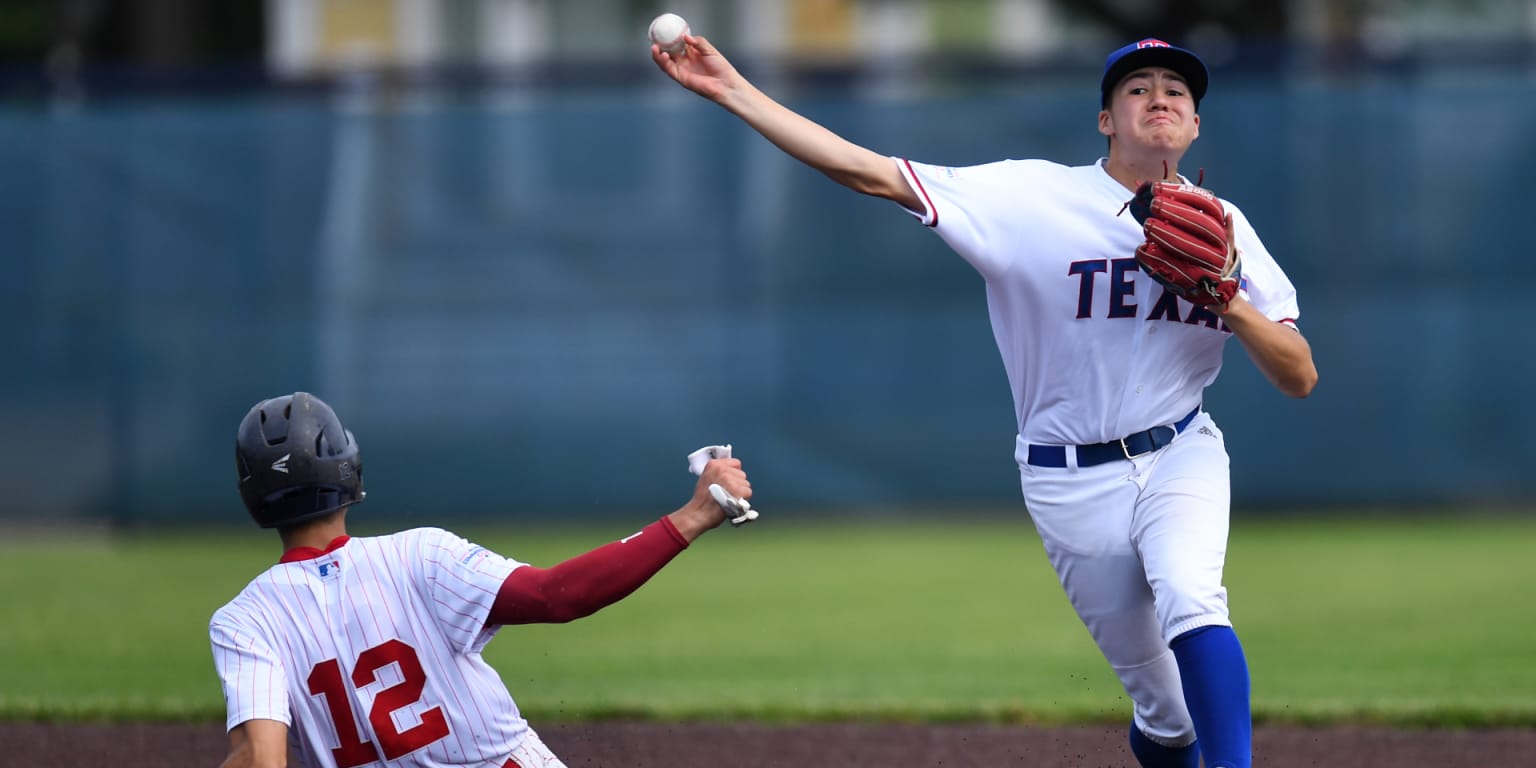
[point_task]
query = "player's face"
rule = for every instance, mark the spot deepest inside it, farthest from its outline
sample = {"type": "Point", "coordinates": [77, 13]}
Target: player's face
{"type": "Point", "coordinates": [1151, 109]}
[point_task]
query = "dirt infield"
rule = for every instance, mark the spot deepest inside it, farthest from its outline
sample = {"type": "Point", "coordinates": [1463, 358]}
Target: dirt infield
{"type": "Point", "coordinates": [654, 745]}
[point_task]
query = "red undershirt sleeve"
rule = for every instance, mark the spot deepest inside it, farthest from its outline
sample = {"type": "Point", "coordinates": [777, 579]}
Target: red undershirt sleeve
{"type": "Point", "coordinates": [586, 583]}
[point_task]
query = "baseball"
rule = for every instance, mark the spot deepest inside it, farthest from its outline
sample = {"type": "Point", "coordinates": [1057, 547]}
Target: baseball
{"type": "Point", "coordinates": [667, 31]}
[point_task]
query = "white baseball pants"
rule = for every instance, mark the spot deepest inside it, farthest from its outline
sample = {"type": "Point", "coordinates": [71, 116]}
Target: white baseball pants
{"type": "Point", "coordinates": [1139, 546]}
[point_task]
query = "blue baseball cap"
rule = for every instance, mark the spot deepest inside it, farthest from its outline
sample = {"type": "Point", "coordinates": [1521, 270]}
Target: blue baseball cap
{"type": "Point", "coordinates": [1152, 52]}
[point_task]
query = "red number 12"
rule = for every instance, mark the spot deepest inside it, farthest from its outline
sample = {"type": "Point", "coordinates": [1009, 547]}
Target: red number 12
{"type": "Point", "coordinates": [325, 680]}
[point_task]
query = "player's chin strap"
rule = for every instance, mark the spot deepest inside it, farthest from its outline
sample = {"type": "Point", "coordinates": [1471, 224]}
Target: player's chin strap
{"type": "Point", "coordinates": [738, 511]}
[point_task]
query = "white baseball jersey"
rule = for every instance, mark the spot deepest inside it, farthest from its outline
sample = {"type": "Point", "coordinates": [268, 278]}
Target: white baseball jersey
{"type": "Point", "coordinates": [370, 652]}
{"type": "Point", "coordinates": [1094, 348]}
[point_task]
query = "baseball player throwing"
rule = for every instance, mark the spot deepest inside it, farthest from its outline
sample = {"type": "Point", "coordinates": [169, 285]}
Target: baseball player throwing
{"type": "Point", "coordinates": [366, 651]}
{"type": "Point", "coordinates": [1124, 475]}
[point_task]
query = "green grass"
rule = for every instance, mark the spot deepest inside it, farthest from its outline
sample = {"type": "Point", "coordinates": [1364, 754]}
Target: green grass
{"type": "Point", "coordinates": [1412, 621]}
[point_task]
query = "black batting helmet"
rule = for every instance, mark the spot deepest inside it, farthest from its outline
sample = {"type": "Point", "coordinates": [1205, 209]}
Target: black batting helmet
{"type": "Point", "coordinates": [296, 461]}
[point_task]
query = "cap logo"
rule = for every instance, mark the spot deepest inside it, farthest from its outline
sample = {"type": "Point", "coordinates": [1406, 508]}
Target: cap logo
{"type": "Point", "coordinates": [281, 465]}
{"type": "Point", "coordinates": [1152, 42]}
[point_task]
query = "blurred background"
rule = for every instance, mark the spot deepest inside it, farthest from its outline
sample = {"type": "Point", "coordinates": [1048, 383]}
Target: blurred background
{"type": "Point", "coordinates": [531, 273]}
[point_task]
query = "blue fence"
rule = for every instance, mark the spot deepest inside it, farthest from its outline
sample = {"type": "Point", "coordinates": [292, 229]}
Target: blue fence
{"type": "Point", "coordinates": [539, 304]}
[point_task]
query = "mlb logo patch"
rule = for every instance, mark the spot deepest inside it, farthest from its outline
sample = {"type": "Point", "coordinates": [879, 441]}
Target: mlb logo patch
{"type": "Point", "coordinates": [329, 568]}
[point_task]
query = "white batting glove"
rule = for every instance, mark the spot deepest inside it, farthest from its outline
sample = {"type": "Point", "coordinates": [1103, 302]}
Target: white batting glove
{"type": "Point", "coordinates": [708, 453]}
{"type": "Point", "coordinates": [738, 511]}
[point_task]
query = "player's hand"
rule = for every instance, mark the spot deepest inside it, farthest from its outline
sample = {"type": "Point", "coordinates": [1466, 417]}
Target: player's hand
{"type": "Point", "coordinates": [702, 512]}
{"type": "Point", "coordinates": [726, 473]}
{"type": "Point", "coordinates": [702, 69]}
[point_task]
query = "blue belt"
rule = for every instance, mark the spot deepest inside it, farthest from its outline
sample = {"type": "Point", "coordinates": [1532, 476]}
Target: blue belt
{"type": "Point", "coordinates": [1128, 447]}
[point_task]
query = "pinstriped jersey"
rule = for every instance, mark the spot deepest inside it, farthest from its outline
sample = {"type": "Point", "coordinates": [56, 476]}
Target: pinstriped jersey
{"type": "Point", "coordinates": [370, 652]}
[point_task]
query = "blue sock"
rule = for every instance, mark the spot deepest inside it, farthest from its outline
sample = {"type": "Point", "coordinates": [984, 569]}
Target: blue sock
{"type": "Point", "coordinates": [1215, 678]}
{"type": "Point", "coordinates": [1154, 755]}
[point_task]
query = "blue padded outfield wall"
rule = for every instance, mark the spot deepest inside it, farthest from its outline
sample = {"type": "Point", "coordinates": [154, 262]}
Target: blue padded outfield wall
{"type": "Point", "coordinates": [526, 304]}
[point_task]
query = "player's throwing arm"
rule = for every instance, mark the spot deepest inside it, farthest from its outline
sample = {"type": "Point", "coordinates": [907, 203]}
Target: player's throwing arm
{"type": "Point", "coordinates": [698, 66]}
